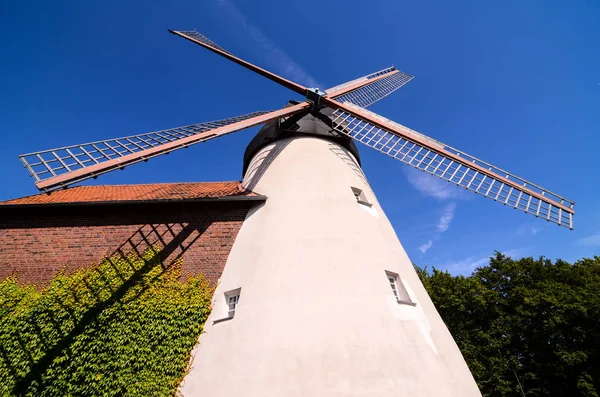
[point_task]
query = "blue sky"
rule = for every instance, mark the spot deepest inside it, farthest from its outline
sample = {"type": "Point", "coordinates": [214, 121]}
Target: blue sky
{"type": "Point", "coordinates": [515, 83]}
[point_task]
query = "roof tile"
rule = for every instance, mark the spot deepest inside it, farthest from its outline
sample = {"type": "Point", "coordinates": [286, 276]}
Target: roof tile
{"type": "Point", "coordinates": [157, 191]}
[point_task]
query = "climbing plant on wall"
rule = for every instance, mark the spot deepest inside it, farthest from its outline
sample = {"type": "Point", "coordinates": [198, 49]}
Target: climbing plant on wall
{"type": "Point", "coordinates": [124, 328]}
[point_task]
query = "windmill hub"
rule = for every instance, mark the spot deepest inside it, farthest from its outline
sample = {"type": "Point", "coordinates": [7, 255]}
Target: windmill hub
{"type": "Point", "coordinates": [315, 96]}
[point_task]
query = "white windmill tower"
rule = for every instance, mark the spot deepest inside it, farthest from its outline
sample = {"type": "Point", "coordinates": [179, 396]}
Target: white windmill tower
{"type": "Point", "coordinates": [318, 297]}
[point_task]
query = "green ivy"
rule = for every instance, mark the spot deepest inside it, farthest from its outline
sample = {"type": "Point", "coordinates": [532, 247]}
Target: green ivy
{"type": "Point", "coordinates": [123, 328]}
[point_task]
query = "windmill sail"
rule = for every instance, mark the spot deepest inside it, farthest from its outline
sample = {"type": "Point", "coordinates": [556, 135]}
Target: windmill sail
{"type": "Point", "coordinates": [371, 88]}
{"type": "Point", "coordinates": [61, 167]}
{"type": "Point", "coordinates": [452, 165]}
{"type": "Point", "coordinates": [203, 41]}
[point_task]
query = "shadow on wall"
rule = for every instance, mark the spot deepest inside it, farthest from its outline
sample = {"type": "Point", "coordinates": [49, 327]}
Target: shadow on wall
{"type": "Point", "coordinates": [267, 155]}
{"type": "Point", "coordinates": [168, 243]}
{"type": "Point", "coordinates": [345, 157]}
{"type": "Point", "coordinates": [259, 164]}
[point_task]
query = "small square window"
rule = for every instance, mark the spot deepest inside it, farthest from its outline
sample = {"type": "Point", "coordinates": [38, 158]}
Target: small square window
{"type": "Point", "coordinates": [360, 196]}
{"type": "Point", "coordinates": [227, 311]}
{"type": "Point", "coordinates": [232, 301]}
{"type": "Point", "coordinates": [398, 289]}
{"type": "Point", "coordinates": [232, 298]}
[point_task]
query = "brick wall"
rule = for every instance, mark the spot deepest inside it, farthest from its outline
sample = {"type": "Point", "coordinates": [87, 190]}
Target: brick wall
{"type": "Point", "coordinates": [35, 244]}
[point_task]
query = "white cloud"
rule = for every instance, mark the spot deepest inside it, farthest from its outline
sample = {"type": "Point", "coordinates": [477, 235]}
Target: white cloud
{"type": "Point", "coordinates": [273, 54]}
{"type": "Point", "coordinates": [433, 186]}
{"type": "Point", "coordinates": [442, 226]}
{"type": "Point", "coordinates": [446, 218]}
{"type": "Point", "coordinates": [528, 229]}
{"type": "Point", "coordinates": [514, 253]}
{"type": "Point", "coordinates": [468, 265]}
{"type": "Point", "coordinates": [590, 241]}
{"type": "Point", "coordinates": [425, 247]}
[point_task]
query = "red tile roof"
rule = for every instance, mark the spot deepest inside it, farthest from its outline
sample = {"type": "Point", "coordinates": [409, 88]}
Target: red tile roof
{"type": "Point", "coordinates": [132, 193]}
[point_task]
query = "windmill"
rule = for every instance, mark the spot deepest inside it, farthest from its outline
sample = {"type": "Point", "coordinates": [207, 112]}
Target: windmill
{"type": "Point", "coordinates": [318, 297]}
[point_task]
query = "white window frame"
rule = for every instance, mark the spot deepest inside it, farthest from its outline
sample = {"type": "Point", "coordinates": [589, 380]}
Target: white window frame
{"type": "Point", "coordinates": [360, 197]}
{"type": "Point", "coordinates": [398, 289]}
{"type": "Point", "coordinates": [231, 303]}
{"type": "Point", "coordinates": [232, 300]}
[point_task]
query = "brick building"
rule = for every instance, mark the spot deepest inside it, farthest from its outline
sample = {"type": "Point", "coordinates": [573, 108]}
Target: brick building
{"type": "Point", "coordinates": [43, 234]}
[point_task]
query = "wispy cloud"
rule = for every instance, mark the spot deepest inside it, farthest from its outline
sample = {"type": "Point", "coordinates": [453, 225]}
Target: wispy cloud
{"type": "Point", "coordinates": [528, 230]}
{"type": "Point", "coordinates": [432, 186]}
{"type": "Point", "coordinates": [425, 247]}
{"type": "Point", "coordinates": [442, 225]}
{"type": "Point", "coordinates": [468, 265]}
{"type": "Point", "coordinates": [446, 217]}
{"type": "Point", "coordinates": [514, 253]}
{"type": "Point", "coordinates": [590, 241]}
{"type": "Point", "coordinates": [275, 57]}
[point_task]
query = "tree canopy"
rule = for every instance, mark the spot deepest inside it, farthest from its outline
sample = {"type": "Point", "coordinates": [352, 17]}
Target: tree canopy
{"type": "Point", "coordinates": [529, 320]}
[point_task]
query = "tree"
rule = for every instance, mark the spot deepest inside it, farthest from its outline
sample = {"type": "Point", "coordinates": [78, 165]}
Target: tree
{"type": "Point", "coordinates": [530, 318]}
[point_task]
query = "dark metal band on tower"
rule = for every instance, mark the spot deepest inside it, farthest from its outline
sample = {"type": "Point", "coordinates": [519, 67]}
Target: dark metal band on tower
{"type": "Point", "coordinates": [316, 124]}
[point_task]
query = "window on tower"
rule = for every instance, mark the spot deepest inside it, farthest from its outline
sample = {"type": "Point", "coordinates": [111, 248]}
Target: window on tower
{"type": "Point", "coordinates": [398, 289]}
{"type": "Point", "coordinates": [360, 197]}
{"type": "Point", "coordinates": [232, 298]}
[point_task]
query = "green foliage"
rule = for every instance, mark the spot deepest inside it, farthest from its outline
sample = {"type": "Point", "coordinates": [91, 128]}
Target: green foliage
{"type": "Point", "coordinates": [529, 318]}
{"type": "Point", "coordinates": [124, 328]}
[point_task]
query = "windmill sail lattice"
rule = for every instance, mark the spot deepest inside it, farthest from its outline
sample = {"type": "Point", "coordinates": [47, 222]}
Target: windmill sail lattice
{"type": "Point", "coordinates": [453, 165]}
{"type": "Point", "coordinates": [376, 90]}
{"type": "Point", "coordinates": [203, 41]}
{"type": "Point", "coordinates": [60, 167]}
